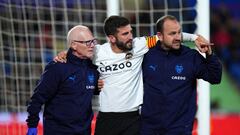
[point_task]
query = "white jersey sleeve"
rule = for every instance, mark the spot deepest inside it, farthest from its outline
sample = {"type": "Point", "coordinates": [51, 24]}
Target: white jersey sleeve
{"type": "Point", "coordinates": [140, 46]}
{"type": "Point", "coordinates": [189, 37]}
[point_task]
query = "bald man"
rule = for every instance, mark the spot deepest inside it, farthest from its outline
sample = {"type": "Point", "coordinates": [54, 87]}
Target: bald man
{"type": "Point", "coordinates": [66, 89]}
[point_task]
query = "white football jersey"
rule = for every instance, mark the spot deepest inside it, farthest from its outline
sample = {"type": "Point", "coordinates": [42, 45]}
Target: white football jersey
{"type": "Point", "coordinates": [123, 79]}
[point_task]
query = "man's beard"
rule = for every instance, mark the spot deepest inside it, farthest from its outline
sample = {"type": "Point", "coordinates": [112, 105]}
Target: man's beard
{"type": "Point", "coordinates": [124, 46]}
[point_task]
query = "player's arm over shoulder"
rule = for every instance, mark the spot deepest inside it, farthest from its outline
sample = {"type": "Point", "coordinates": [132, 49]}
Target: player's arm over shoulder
{"type": "Point", "coordinates": [152, 40]}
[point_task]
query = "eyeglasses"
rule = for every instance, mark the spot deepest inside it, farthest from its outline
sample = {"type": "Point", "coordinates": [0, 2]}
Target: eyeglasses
{"type": "Point", "coordinates": [88, 43]}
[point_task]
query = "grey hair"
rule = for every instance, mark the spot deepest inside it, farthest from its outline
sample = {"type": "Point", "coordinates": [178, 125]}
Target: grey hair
{"type": "Point", "coordinates": [69, 34]}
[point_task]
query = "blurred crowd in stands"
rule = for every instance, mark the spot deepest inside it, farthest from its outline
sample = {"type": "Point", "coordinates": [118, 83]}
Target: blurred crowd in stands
{"type": "Point", "coordinates": [225, 34]}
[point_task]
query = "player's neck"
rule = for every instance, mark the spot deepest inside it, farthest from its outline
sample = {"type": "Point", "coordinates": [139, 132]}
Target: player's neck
{"type": "Point", "coordinates": [115, 49]}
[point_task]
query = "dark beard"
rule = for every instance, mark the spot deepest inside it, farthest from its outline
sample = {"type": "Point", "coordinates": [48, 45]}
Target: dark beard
{"type": "Point", "coordinates": [123, 46]}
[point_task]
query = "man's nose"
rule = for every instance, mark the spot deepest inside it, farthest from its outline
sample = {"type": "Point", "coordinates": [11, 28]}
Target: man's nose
{"type": "Point", "coordinates": [131, 36]}
{"type": "Point", "coordinates": [178, 36]}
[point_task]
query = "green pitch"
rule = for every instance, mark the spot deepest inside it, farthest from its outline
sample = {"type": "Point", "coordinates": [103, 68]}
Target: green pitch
{"type": "Point", "coordinates": [226, 94]}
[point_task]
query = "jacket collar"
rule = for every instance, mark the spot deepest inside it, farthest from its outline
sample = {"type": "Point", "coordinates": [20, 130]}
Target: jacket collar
{"type": "Point", "coordinates": [76, 60]}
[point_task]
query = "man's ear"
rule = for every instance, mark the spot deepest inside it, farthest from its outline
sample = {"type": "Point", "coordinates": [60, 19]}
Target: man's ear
{"type": "Point", "coordinates": [112, 38]}
{"type": "Point", "coordinates": [160, 36]}
{"type": "Point", "coordinates": [73, 46]}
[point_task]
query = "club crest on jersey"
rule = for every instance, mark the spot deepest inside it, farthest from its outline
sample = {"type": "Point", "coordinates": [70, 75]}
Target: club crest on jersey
{"type": "Point", "coordinates": [128, 55]}
{"type": "Point", "coordinates": [179, 69]}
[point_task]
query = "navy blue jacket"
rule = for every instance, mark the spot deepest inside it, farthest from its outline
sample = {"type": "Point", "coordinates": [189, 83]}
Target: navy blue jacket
{"type": "Point", "coordinates": [66, 90]}
{"type": "Point", "coordinates": [170, 85]}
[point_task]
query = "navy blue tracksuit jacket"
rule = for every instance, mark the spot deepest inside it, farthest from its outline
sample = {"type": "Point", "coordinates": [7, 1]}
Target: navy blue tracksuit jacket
{"type": "Point", "coordinates": [169, 104]}
{"type": "Point", "coordinates": [66, 90]}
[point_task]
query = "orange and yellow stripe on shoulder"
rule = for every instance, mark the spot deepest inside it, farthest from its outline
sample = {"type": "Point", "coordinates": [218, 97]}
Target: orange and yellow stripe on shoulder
{"type": "Point", "coordinates": [151, 41]}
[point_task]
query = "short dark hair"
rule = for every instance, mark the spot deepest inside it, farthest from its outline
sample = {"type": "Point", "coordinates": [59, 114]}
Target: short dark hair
{"type": "Point", "coordinates": [112, 23]}
{"type": "Point", "coordinates": [160, 22]}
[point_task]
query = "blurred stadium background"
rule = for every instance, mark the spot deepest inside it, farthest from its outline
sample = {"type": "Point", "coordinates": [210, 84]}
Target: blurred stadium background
{"type": "Point", "coordinates": [33, 31]}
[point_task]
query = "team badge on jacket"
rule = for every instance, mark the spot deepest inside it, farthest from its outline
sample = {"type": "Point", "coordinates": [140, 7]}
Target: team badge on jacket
{"type": "Point", "coordinates": [179, 69]}
{"type": "Point", "coordinates": [90, 81]}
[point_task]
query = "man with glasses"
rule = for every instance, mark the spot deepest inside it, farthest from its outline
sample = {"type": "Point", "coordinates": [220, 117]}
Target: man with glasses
{"type": "Point", "coordinates": [66, 89]}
